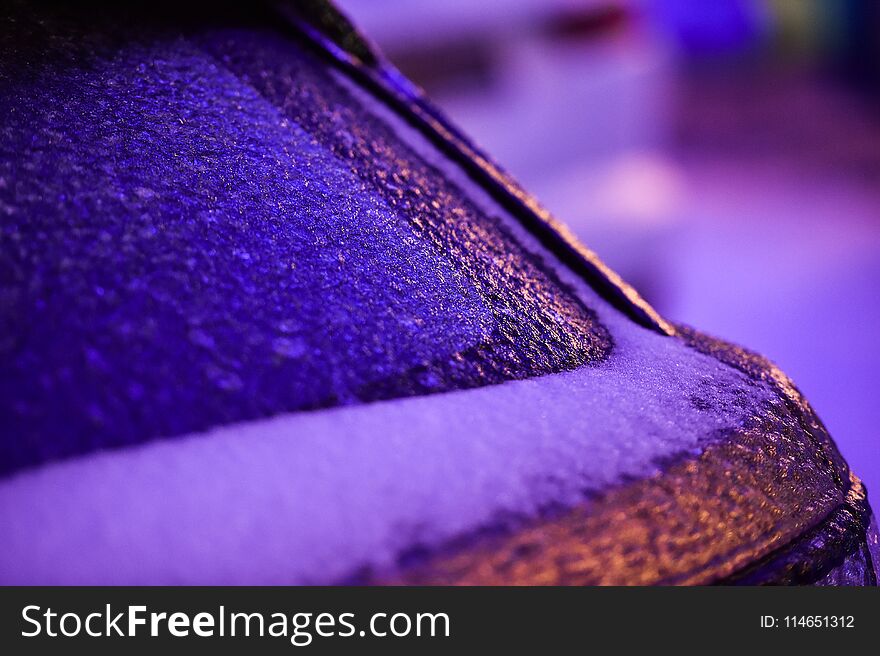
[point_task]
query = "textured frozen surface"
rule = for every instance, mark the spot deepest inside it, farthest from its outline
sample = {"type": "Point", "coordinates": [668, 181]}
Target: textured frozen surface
{"type": "Point", "coordinates": [188, 243]}
{"type": "Point", "coordinates": [205, 234]}
{"type": "Point", "coordinates": [316, 497]}
{"type": "Point", "coordinates": [854, 570]}
{"type": "Point", "coordinates": [872, 539]}
{"type": "Point", "coordinates": [860, 565]}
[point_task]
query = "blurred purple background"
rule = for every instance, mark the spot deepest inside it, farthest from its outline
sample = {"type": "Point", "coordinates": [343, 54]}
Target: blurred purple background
{"type": "Point", "coordinates": [723, 156]}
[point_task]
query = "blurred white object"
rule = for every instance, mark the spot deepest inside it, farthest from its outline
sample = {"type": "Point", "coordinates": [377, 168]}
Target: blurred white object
{"type": "Point", "coordinates": [572, 98]}
{"type": "Point", "coordinates": [628, 209]}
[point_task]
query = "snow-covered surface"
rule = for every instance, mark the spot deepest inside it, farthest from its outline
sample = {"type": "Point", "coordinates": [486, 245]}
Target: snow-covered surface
{"type": "Point", "coordinates": [313, 497]}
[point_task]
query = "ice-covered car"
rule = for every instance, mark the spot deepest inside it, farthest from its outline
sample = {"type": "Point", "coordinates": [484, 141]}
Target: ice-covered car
{"type": "Point", "coordinates": [267, 317]}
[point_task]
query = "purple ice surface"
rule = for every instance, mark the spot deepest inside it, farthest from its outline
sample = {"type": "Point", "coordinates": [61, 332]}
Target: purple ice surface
{"type": "Point", "coordinates": [176, 347]}
{"type": "Point", "coordinates": [312, 497]}
{"type": "Point", "coordinates": [181, 253]}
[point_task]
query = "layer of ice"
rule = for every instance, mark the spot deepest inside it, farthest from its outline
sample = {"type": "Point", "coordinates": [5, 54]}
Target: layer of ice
{"type": "Point", "coordinates": [236, 497]}
{"type": "Point", "coordinates": [202, 232]}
